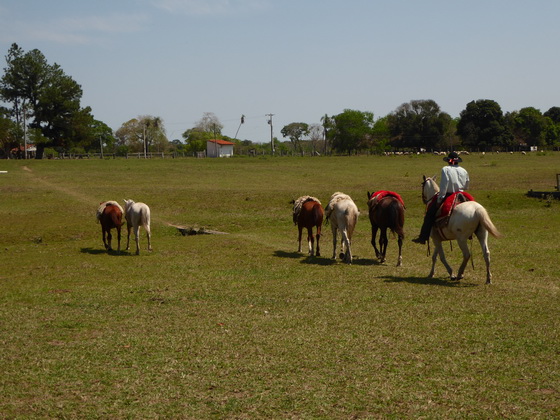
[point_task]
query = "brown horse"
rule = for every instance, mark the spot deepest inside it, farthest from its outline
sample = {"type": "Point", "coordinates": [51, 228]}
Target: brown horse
{"type": "Point", "coordinates": [386, 211]}
{"type": "Point", "coordinates": [308, 213]}
{"type": "Point", "coordinates": [109, 214]}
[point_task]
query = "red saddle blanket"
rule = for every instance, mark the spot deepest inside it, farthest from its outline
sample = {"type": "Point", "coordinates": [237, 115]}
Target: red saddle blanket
{"type": "Point", "coordinates": [451, 201]}
{"type": "Point", "coordinates": [379, 195]}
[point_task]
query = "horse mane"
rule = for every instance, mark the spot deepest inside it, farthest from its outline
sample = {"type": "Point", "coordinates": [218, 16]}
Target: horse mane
{"type": "Point", "coordinates": [335, 198]}
{"type": "Point", "coordinates": [104, 204]}
{"type": "Point", "coordinates": [298, 204]}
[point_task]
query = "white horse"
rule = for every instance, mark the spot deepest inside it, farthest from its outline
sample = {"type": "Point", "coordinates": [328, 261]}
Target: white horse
{"type": "Point", "coordinates": [345, 218]}
{"type": "Point", "coordinates": [467, 218]}
{"type": "Point", "coordinates": [136, 215]}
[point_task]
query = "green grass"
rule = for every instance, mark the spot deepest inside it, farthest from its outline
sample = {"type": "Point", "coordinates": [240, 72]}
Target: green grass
{"type": "Point", "coordinates": [241, 326]}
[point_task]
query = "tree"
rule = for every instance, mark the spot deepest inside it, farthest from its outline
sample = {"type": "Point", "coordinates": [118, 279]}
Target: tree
{"type": "Point", "coordinates": [352, 130]}
{"type": "Point", "coordinates": [328, 124]}
{"type": "Point", "coordinates": [482, 126]}
{"type": "Point", "coordinates": [554, 114]}
{"type": "Point", "coordinates": [528, 126]}
{"type": "Point", "coordinates": [295, 132]}
{"type": "Point", "coordinates": [316, 136]}
{"type": "Point", "coordinates": [420, 124]}
{"type": "Point", "coordinates": [207, 128]}
{"type": "Point", "coordinates": [209, 123]}
{"type": "Point", "coordinates": [142, 135]}
{"type": "Point", "coordinates": [48, 96]}
{"type": "Point", "coordinates": [8, 133]}
{"type": "Point", "coordinates": [381, 135]}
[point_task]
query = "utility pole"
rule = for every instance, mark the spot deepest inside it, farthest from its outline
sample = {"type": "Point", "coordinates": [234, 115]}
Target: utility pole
{"type": "Point", "coordinates": [271, 132]}
{"type": "Point", "coordinates": [24, 132]}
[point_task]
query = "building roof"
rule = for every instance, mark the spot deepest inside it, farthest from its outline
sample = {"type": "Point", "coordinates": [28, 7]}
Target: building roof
{"type": "Point", "coordinates": [222, 142]}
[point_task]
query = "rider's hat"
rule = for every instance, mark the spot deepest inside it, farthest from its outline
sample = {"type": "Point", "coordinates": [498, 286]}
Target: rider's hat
{"type": "Point", "coordinates": [453, 158]}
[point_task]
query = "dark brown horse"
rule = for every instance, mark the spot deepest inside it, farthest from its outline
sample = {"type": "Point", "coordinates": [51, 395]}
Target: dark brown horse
{"type": "Point", "coordinates": [109, 214]}
{"type": "Point", "coordinates": [308, 213]}
{"type": "Point", "coordinates": [386, 211]}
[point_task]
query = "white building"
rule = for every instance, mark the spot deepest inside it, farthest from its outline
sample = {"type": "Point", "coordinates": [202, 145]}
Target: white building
{"type": "Point", "coordinates": [219, 148]}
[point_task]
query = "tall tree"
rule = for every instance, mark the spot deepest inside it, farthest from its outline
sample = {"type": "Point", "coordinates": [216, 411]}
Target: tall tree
{"type": "Point", "coordinates": [328, 123]}
{"type": "Point", "coordinates": [8, 133]}
{"type": "Point", "coordinates": [352, 130]}
{"type": "Point", "coordinates": [528, 126]}
{"type": "Point", "coordinates": [420, 124]}
{"type": "Point", "coordinates": [46, 95]}
{"type": "Point", "coordinates": [295, 131]}
{"type": "Point", "coordinates": [482, 126]}
{"type": "Point", "coordinates": [142, 135]}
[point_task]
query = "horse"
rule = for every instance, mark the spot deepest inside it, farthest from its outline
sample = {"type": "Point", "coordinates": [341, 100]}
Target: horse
{"type": "Point", "coordinates": [136, 215]}
{"type": "Point", "coordinates": [109, 215]}
{"type": "Point", "coordinates": [386, 211]}
{"type": "Point", "coordinates": [345, 218]}
{"type": "Point", "coordinates": [308, 213]}
{"type": "Point", "coordinates": [466, 219]}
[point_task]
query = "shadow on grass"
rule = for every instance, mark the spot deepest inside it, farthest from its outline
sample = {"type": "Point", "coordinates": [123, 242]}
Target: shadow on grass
{"type": "Point", "coordinates": [284, 254]}
{"type": "Point", "coordinates": [306, 259]}
{"type": "Point", "coordinates": [98, 251]}
{"type": "Point", "coordinates": [428, 281]}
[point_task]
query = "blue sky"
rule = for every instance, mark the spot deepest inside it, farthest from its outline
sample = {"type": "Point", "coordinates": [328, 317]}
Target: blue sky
{"type": "Point", "coordinates": [298, 60]}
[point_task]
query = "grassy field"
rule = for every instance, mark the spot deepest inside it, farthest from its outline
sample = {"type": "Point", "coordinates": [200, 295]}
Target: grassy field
{"type": "Point", "coordinates": [242, 326]}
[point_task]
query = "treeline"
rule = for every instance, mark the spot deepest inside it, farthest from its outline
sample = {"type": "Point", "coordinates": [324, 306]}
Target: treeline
{"type": "Point", "coordinates": [42, 106]}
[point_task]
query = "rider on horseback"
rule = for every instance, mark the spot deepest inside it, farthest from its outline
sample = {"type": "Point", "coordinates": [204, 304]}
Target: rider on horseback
{"type": "Point", "coordinates": [453, 179]}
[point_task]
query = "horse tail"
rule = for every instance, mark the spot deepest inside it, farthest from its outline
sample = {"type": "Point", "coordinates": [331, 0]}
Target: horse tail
{"type": "Point", "coordinates": [352, 220]}
{"type": "Point", "coordinates": [318, 215]}
{"type": "Point", "coordinates": [396, 218]}
{"type": "Point", "coordinates": [487, 222]}
{"type": "Point", "coordinates": [328, 211]}
{"type": "Point", "coordinates": [144, 219]}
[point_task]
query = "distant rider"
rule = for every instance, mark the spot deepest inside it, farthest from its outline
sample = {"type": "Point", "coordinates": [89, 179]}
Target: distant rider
{"type": "Point", "coordinates": [453, 179]}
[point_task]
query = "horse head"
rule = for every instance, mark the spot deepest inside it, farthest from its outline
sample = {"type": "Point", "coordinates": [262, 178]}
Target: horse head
{"type": "Point", "coordinates": [128, 203]}
{"type": "Point", "coordinates": [429, 188]}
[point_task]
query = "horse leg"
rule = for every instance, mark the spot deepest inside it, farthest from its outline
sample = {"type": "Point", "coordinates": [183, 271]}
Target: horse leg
{"type": "Point", "coordinates": [400, 241]}
{"type": "Point", "coordinates": [103, 237]}
{"type": "Point", "coordinates": [383, 244]}
{"type": "Point", "coordinates": [318, 236]}
{"type": "Point", "coordinates": [334, 233]}
{"type": "Point", "coordinates": [118, 238]}
{"type": "Point", "coordinates": [128, 228]}
{"type": "Point", "coordinates": [310, 240]}
{"type": "Point", "coordinates": [347, 254]}
{"type": "Point", "coordinates": [300, 228]}
{"type": "Point", "coordinates": [109, 237]}
{"type": "Point", "coordinates": [373, 239]}
{"type": "Point", "coordinates": [439, 250]}
{"type": "Point", "coordinates": [466, 257]}
{"type": "Point", "coordinates": [136, 235]}
{"type": "Point", "coordinates": [149, 236]}
{"type": "Point", "coordinates": [482, 235]}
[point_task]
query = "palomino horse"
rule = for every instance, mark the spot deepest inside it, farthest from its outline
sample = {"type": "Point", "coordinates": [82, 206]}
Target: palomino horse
{"type": "Point", "coordinates": [467, 218]}
{"type": "Point", "coordinates": [109, 215]}
{"type": "Point", "coordinates": [386, 211]}
{"type": "Point", "coordinates": [344, 214]}
{"type": "Point", "coordinates": [308, 213]}
{"type": "Point", "coordinates": [137, 214]}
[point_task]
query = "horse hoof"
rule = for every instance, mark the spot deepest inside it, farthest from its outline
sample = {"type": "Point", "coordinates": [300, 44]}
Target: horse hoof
{"type": "Point", "coordinates": [317, 254]}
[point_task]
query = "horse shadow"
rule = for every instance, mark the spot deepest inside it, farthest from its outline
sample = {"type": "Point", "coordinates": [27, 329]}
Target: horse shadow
{"type": "Point", "coordinates": [428, 281]}
{"type": "Point", "coordinates": [305, 259]}
{"type": "Point", "coordinates": [98, 251]}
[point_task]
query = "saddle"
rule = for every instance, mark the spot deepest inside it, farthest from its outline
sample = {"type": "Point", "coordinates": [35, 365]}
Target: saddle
{"type": "Point", "coordinates": [446, 209]}
{"type": "Point", "coordinates": [376, 197]}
